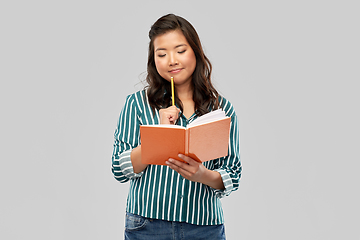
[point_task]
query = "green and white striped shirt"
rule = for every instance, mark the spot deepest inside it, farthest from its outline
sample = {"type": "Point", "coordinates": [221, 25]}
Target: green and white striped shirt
{"type": "Point", "coordinates": [161, 193]}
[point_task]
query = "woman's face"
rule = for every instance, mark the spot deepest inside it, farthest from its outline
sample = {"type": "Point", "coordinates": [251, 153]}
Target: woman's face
{"type": "Point", "coordinates": [174, 57]}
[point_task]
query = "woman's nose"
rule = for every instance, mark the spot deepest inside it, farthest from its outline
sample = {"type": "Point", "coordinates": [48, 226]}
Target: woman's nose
{"type": "Point", "coordinates": [172, 60]}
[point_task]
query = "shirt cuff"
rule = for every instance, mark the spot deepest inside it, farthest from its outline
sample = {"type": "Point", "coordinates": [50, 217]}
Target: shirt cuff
{"type": "Point", "coordinates": [126, 166]}
{"type": "Point", "coordinates": [228, 184]}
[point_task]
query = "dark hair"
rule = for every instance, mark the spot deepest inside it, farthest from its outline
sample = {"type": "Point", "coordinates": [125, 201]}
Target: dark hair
{"type": "Point", "coordinates": [205, 95]}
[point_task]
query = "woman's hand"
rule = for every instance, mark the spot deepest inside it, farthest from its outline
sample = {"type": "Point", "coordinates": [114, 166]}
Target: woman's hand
{"type": "Point", "coordinates": [196, 172]}
{"type": "Point", "coordinates": [169, 115]}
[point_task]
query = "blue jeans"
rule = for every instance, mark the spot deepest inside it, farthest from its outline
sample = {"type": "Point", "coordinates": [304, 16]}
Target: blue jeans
{"type": "Point", "coordinates": [141, 228]}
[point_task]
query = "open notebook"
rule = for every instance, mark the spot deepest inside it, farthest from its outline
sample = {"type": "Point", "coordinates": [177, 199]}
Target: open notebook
{"type": "Point", "coordinates": [204, 139]}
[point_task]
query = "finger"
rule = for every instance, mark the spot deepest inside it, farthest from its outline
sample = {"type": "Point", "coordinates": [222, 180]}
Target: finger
{"type": "Point", "coordinates": [181, 167]}
{"type": "Point", "coordinates": [187, 159]}
{"type": "Point", "coordinates": [175, 112]}
{"type": "Point", "coordinates": [175, 108]}
{"type": "Point", "coordinates": [172, 115]}
{"type": "Point", "coordinates": [172, 165]}
{"type": "Point", "coordinates": [168, 116]}
{"type": "Point", "coordinates": [183, 172]}
{"type": "Point", "coordinates": [178, 163]}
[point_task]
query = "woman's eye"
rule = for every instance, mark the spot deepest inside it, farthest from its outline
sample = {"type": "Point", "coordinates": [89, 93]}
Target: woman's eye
{"type": "Point", "coordinates": [162, 55]}
{"type": "Point", "coordinates": [182, 51]}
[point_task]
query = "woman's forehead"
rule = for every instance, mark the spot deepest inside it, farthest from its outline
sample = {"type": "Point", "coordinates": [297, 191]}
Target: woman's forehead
{"type": "Point", "coordinates": [170, 39]}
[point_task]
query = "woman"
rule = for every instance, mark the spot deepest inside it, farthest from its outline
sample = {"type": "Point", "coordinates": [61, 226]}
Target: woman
{"type": "Point", "coordinates": [181, 199]}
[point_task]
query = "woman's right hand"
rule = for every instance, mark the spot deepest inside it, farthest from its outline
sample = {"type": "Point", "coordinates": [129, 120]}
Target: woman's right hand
{"type": "Point", "coordinates": [169, 115]}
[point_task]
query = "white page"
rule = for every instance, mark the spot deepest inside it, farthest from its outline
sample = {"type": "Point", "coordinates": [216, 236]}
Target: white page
{"type": "Point", "coordinates": [165, 125]}
{"type": "Point", "coordinates": [208, 117]}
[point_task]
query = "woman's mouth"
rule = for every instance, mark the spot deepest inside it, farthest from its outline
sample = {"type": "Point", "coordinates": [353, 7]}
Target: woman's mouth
{"type": "Point", "coordinates": [175, 70]}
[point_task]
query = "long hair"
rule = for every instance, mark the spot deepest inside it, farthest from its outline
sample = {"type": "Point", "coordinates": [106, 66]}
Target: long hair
{"type": "Point", "coordinates": [205, 95]}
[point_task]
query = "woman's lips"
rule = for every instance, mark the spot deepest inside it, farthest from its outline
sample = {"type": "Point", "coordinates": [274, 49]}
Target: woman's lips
{"type": "Point", "coordinates": [175, 70]}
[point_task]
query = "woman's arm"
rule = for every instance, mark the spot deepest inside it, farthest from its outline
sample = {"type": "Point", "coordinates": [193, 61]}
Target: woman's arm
{"type": "Point", "coordinates": [135, 156]}
{"type": "Point", "coordinates": [125, 143]}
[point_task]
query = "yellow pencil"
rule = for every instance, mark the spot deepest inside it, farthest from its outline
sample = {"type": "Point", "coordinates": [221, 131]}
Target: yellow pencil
{"type": "Point", "coordinates": [172, 91]}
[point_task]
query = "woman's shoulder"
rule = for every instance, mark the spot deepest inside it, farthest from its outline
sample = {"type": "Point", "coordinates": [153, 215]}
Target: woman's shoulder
{"type": "Point", "coordinates": [137, 100]}
{"type": "Point", "coordinates": [139, 95]}
{"type": "Point", "coordinates": [226, 105]}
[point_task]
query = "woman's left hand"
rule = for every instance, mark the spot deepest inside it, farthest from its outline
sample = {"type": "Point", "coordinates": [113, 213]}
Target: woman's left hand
{"type": "Point", "coordinates": [196, 172]}
{"type": "Point", "coordinates": [191, 170]}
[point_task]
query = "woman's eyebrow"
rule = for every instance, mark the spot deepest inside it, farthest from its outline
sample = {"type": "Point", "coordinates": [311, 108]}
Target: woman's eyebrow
{"type": "Point", "coordinates": [160, 49]}
{"type": "Point", "coordinates": [180, 45]}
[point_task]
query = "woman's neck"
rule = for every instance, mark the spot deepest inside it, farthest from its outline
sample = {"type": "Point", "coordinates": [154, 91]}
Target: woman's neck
{"type": "Point", "coordinates": [185, 94]}
{"type": "Point", "coordinates": [185, 91]}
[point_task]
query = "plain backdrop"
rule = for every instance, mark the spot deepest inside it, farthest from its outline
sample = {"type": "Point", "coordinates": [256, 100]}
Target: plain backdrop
{"type": "Point", "coordinates": [290, 68]}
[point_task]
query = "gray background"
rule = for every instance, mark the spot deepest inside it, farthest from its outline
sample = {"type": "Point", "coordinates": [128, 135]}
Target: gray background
{"type": "Point", "coordinates": [290, 68]}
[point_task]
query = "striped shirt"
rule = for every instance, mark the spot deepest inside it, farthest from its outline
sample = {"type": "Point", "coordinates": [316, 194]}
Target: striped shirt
{"type": "Point", "coordinates": [158, 191]}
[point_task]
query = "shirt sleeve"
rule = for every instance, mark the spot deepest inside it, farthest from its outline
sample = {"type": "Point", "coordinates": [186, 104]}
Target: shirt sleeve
{"type": "Point", "coordinates": [126, 137]}
{"type": "Point", "coordinates": [230, 167]}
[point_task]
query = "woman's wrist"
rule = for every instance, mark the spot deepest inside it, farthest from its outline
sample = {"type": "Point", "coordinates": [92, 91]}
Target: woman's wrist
{"type": "Point", "coordinates": [213, 179]}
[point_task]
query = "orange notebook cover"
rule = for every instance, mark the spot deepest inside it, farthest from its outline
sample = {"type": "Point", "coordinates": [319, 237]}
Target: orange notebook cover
{"type": "Point", "coordinates": [202, 141]}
